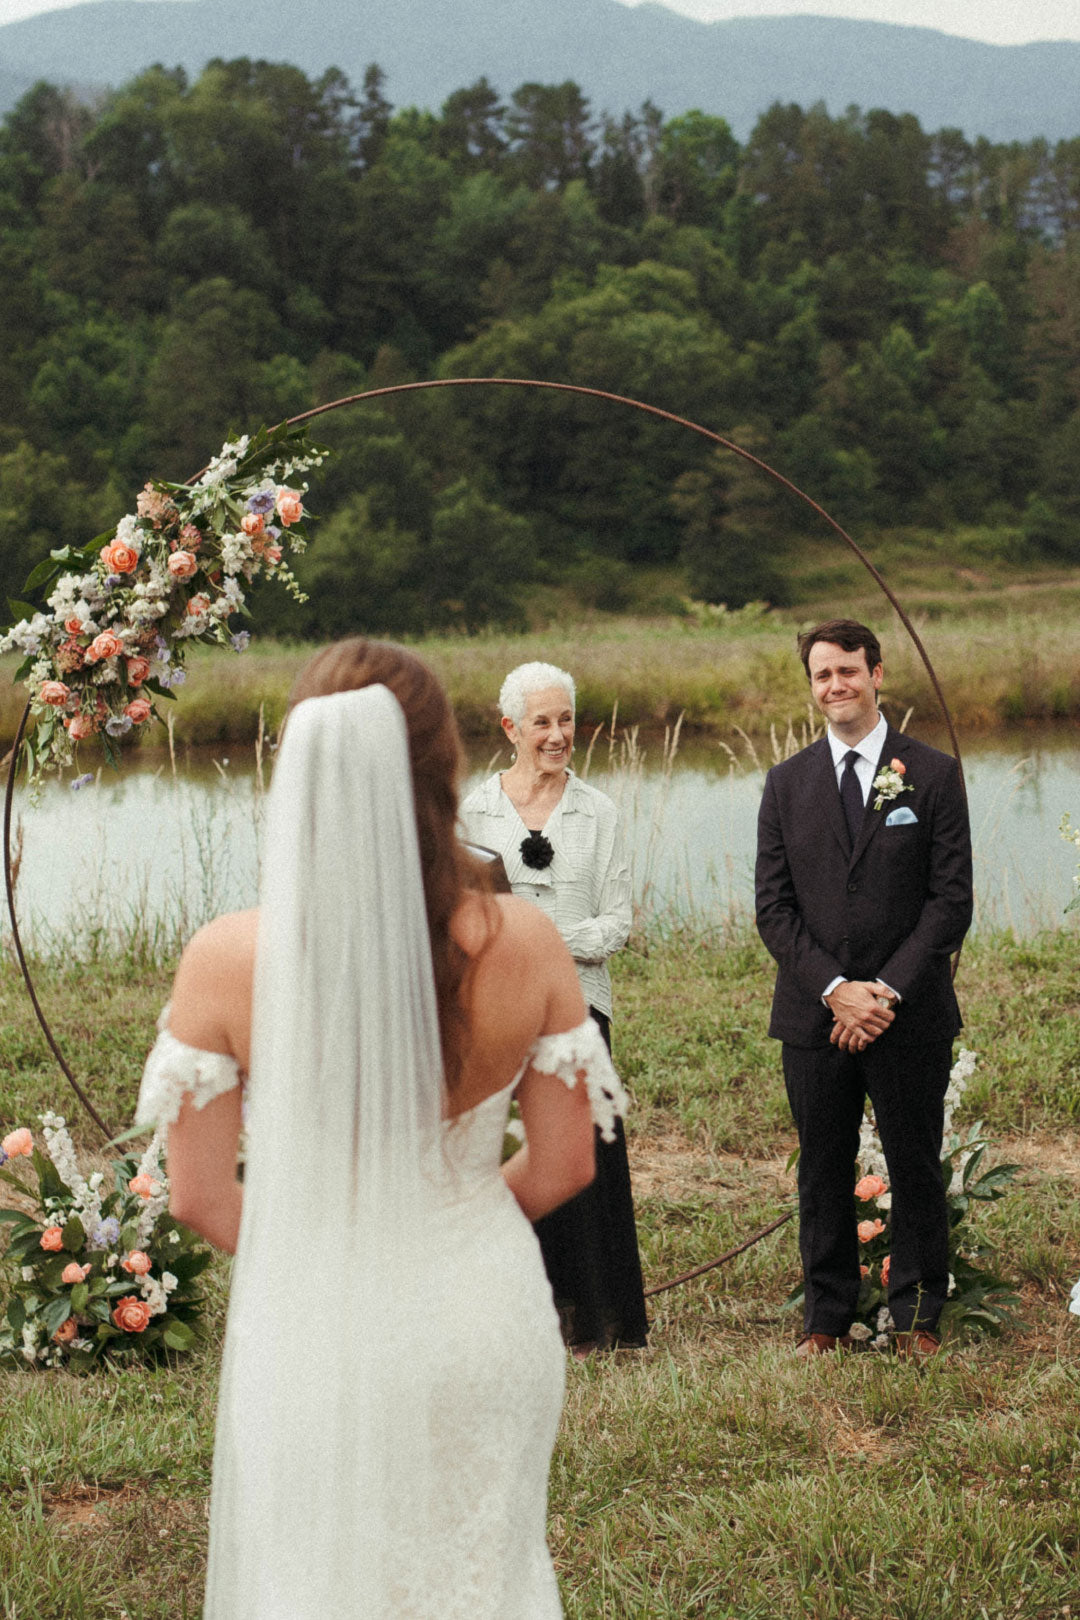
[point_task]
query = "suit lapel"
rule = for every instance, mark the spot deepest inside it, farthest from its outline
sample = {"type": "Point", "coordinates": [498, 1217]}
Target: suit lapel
{"type": "Point", "coordinates": [874, 820]}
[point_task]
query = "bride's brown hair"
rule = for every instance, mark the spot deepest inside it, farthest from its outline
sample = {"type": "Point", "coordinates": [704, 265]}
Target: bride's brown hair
{"type": "Point", "coordinates": [436, 757]}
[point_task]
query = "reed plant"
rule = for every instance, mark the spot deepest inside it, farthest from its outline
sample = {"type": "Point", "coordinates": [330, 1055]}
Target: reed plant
{"type": "Point", "coordinates": [1002, 659]}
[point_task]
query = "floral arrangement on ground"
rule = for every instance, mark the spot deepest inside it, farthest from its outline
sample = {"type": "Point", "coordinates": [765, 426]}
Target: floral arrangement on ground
{"type": "Point", "coordinates": [94, 1270]}
{"type": "Point", "coordinates": [123, 609]}
{"type": "Point", "coordinates": [978, 1297]}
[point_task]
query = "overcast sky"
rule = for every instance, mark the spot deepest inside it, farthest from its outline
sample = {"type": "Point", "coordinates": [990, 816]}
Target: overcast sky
{"type": "Point", "coordinates": [1001, 22]}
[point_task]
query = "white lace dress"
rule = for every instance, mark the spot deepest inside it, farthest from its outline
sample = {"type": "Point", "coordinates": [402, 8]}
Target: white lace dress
{"type": "Point", "coordinates": [479, 1332]}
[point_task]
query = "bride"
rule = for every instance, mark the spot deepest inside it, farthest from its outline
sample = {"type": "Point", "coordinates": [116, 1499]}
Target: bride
{"type": "Point", "coordinates": [393, 1370]}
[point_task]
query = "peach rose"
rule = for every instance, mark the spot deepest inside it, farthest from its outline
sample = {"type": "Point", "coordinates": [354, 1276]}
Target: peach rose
{"type": "Point", "coordinates": [182, 565]}
{"type": "Point", "coordinates": [898, 766]}
{"type": "Point", "coordinates": [885, 1269]}
{"type": "Point", "coordinates": [138, 710]}
{"type": "Point", "coordinates": [198, 604]}
{"type": "Point", "coordinates": [107, 645]}
{"type": "Point", "coordinates": [131, 1314]}
{"type": "Point", "coordinates": [869, 1229]}
{"type": "Point", "coordinates": [870, 1187]}
{"type": "Point", "coordinates": [74, 625]}
{"type": "Point", "coordinates": [191, 536]}
{"type": "Point", "coordinates": [80, 726]}
{"type": "Point", "coordinates": [252, 523]}
{"type": "Point", "coordinates": [137, 1263]}
{"type": "Point", "coordinates": [66, 1331]}
{"type": "Point", "coordinates": [119, 558]}
{"type": "Point", "coordinates": [52, 1239]}
{"type": "Point", "coordinates": [273, 555]}
{"type": "Point", "coordinates": [137, 670]}
{"type": "Point", "coordinates": [864, 1271]}
{"type": "Point", "coordinates": [17, 1142]}
{"type": "Point", "coordinates": [74, 1273]}
{"type": "Point", "coordinates": [146, 1186]}
{"type": "Point", "coordinates": [54, 692]}
{"type": "Point", "coordinates": [290, 505]}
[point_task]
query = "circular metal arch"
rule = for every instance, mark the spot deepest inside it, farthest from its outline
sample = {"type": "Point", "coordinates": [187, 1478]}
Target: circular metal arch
{"type": "Point", "coordinates": [474, 382]}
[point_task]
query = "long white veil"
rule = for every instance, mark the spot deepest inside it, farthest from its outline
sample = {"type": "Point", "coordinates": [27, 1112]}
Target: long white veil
{"type": "Point", "coordinates": [321, 1440]}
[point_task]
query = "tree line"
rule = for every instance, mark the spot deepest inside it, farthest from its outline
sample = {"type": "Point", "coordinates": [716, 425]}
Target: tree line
{"type": "Point", "coordinates": [890, 316]}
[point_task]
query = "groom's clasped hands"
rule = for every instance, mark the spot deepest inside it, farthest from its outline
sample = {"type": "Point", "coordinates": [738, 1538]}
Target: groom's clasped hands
{"type": "Point", "coordinates": [862, 1010]}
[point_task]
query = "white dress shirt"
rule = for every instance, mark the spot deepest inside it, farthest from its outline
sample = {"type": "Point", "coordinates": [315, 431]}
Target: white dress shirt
{"type": "Point", "coordinates": [586, 891]}
{"type": "Point", "coordinates": [869, 752]}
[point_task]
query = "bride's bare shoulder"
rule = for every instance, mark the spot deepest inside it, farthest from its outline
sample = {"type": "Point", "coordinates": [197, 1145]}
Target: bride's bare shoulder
{"type": "Point", "coordinates": [211, 996]}
{"type": "Point", "coordinates": [502, 926]}
{"type": "Point", "coordinates": [229, 940]}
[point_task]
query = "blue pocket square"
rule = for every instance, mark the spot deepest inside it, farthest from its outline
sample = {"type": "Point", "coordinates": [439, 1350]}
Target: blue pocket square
{"type": "Point", "coordinates": [901, 817]}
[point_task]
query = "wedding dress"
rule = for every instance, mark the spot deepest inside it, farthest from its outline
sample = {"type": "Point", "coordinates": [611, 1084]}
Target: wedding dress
{"type": "Point", "coordinates": [393, 1369]}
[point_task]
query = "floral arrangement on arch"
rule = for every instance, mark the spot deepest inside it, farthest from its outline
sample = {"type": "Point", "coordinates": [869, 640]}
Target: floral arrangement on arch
{"type": "Point", "coordinates": [96, 1270]}
{"type": "Point", "coordinates": [978, 1297]}
{"type": "Point", "coordinates": [124, 609]}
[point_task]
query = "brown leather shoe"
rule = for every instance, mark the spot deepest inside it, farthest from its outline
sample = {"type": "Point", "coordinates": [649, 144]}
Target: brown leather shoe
{"type": "Point", "coordinates": [819, 1344]}
{"type": "Point", "coordinates": [917, 1346]}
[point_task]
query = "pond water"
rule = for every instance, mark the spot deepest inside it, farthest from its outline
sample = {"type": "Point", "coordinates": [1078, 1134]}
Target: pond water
{"type": "Point", "coordinates": [160, 849]}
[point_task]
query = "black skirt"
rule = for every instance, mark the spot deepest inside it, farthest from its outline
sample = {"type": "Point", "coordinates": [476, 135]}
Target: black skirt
{"type": "Point", "coordinates": [590, 1250]}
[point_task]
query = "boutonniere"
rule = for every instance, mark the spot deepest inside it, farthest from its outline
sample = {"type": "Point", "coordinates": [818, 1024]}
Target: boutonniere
{"type": "Point", "coordinates": [889, 782]}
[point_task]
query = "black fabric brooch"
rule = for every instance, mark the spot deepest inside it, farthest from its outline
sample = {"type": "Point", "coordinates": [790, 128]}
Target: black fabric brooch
{"type": "Point", "coordinates": [536, 851]}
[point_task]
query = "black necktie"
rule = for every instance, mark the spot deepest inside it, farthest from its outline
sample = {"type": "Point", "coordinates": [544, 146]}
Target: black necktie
{"type": "Point", "coordinates": [851, 796]}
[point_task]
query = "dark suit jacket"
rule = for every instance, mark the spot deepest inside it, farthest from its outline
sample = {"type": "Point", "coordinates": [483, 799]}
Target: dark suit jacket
{"type": "Point", "coordinates": [894, 908]}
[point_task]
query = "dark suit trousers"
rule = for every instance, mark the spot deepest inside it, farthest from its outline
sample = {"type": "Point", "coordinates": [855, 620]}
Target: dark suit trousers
{"type": "Point", "coordinates": [906, 1085]}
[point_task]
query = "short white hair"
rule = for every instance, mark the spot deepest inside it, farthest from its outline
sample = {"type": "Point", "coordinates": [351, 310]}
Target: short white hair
{"type": "Point", "coordinates": [529, 678]}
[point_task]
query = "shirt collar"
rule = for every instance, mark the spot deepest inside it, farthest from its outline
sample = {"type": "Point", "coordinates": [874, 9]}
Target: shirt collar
{"type": "Point", "coordinates": [869, 748]}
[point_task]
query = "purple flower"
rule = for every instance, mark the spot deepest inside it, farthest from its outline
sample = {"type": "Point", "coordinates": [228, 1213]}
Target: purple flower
{"type": "Point", "coordinates": [3, 1156]}
{"type": "Point", "coordinates": [112, 580]}
{"type": "Point", "coordinates": [263, 502]}
{"type": "Point", "coordinates": [106, 1234]}
{"type": "Point", "coordinates": [177, 678]}
{"type": "Point", "coordinates": [240, 640]}
{"type": "Point", "coordinates": [118, 725]}
{"type": "Point", "coordinates": [83, 781]}
{"type": "Point", "coordinates": [275, 534]}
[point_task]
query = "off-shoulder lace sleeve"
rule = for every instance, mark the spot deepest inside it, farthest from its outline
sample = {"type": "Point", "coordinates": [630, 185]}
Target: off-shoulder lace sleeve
{"type": "Point", "coordinates": [580, 1054]}
{"type": "Point", "coordinates": [174, 1071]}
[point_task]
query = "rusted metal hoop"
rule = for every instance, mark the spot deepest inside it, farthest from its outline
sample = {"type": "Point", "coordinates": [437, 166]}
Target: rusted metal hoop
{"type": "Point", "coordinates": [477, 382]}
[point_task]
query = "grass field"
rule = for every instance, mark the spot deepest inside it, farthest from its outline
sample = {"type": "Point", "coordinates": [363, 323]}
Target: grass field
{"type": "Point", "coordinates": [711, 1475]}
{"type": "Point", "coordinates": [1004, 637]}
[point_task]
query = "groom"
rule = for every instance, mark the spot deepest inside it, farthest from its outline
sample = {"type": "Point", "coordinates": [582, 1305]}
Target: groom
{"type": "Point", "coordinates": [863, 885]}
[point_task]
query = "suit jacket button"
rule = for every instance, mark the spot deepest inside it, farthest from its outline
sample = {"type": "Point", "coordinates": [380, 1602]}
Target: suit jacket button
{"type": "Point", "coordinates": [853, 888]}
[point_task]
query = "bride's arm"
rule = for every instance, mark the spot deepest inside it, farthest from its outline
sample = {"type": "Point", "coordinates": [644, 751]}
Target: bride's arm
{"type": "Point", "coordinates": [203, 1190]}
{"type": "Point", "coordinates": [558, 1159]}
{"type": "Point", "coordinates": [211, 1011]}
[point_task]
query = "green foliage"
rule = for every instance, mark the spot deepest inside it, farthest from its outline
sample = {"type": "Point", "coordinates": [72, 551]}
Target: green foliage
{"type": "Point", "coordinates": [890, 312]}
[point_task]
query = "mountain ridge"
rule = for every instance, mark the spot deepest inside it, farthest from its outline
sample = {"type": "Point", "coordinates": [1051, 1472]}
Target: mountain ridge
{"type": "Point", "coordinates": [733, 67]}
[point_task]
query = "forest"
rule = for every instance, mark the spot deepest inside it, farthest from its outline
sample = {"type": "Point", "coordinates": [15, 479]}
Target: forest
{"type": "Point", "coordinates": [890, 316]}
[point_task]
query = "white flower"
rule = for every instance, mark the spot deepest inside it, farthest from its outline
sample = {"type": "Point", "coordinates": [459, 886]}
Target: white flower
{"type": "Point", "coordinates": [888, 784]}
{"type": "Point", "coordinates": [952, 1286]}
{"type": "Point", "coordinates": [27, 1273]}
{"type": "Point", "coordinates": [168, 1281]}
{"type": "Point", "coordinates": [884, 1319]}
{"type": "Point", "coordinates": [154, 1295]}
{"type": "Point", "coordinates": [129, 533]}
{"type": "Point", "coordinates": [858, 1331]}
{"type": "Point", "coordinates": [964, 1067]}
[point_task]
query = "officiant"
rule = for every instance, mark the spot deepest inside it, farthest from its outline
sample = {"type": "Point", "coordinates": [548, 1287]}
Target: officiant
{"type": "Point", "coordinates": [562, 848]}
